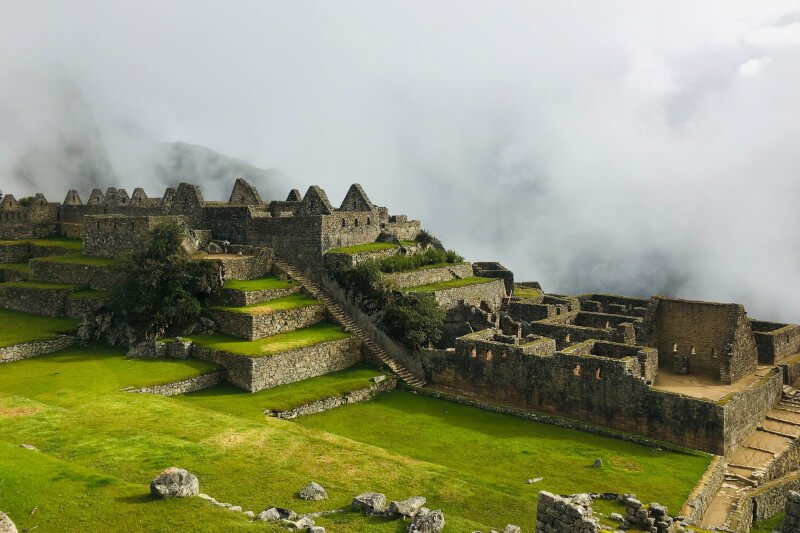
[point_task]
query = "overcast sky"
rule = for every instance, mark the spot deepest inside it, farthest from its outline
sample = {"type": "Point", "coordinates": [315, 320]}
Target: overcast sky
{"type": "Point", "coordinates": [632, 147]}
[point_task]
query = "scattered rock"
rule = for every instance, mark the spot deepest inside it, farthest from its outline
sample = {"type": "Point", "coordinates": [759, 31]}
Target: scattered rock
{"type": "Point", "coordinates": [175, 483]}
{"type": "Point", "coordinates": [316, 529]}
{"type": "Point", "coordinates": [235, 508]}
{"type": "Point", "coordinates": [369, 503]}
{"type": "Point", "coordinates": [378, 379]}
{"type": "Point", "coordinates": [214, 248]}
{"type": "Point", "coordinates": [616, 517]}
{"type": "Point", "coordinates": [313, 492]}
{"type": "Point", "coordinates": [6, 525]}
{"type": "Point", "coordinates": [511, 528]}
{"type": "Point", "coordinates": [269, 515]}
{"type": "Point", "coordinates": [407, 507]}
{"type": "Point", "coordinates": [28, 447]}
{"type": "Point", "coordinates": [250, 514]}
{"type": "Point", "coordinates": [304, 522]}
{"type": "Point", "coordinates": [598, 463]}
{"type": "Point", "coordinates": [428, 522]}
{"type": "Point", "coordinates": [534, 480]}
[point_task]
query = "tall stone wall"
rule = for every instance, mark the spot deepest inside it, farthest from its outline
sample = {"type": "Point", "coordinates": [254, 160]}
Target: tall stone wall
{"type": "Point", "coordinates": [98, 277]}
{"type": "Point", "coordinates": [258, 326]}
{"type": "Point", "coordinates": [491, 292]}
{"type": "Point", "coordinates": [745, 410]}
{"type": "Point", "coordinates": [119, 235]}
{"type": "Point", "coordinates": [775, 341]}
{"type": "Point", "coordinates": [423, 276]}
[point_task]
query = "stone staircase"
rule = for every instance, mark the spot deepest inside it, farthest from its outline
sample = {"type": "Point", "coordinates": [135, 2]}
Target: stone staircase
{"type": "Point", "coordinates": [349, 324]}
{"type": "Point", "coordinates": [757, 453]}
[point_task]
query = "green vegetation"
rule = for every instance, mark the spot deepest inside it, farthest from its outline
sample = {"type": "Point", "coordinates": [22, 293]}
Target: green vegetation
{"type": "Point", "coordinates": [43, 285]}
{"type": "Point", "coordinates": [292, 301]}
{"type": "Point", "coordinates": [78, 259]}
{"type": "Point", "coordinates": [414, 320]}
{"type": "Point", "coordinates": [768, 526]}
{"type": "Point", "coordinates": [520, 291]}
{"type": "Point", "coordinates": [23, 267]}
{"type": "Point", "coordinates": [18, 327]}
{"type": "Point", "coordinates": [100, 447]}
{"type": "Point", "coordinates": [449, 284]}
{"type": "Point", "coordinates": [234, 401]}
{"type": "Point", "coordinates": [407, 244]}
{"type": "Point", "coordinates": [89, 293]}
{"type": "Point", "coordinates": [162, 289]}
{"type": "Point", "coordinates": [363, 248]}
{"type": "Point", "coordinates": [282, 342]}
{"type": "Point", "coordinates": [426, 258]}
{"type": "Point", "coordinates": [61, 242]}
{"type": "Point", "coordinates": [260, 284]}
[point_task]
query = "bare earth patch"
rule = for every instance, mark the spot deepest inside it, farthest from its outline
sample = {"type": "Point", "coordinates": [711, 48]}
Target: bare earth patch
{"type": "Point", "coordinates": [13, 412]}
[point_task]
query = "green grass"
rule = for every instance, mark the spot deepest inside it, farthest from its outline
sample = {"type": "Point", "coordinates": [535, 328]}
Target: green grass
{"type": "Point", "coordinates": [260, 284]}
{"type": "Point", "coordinates": [90, 293]}
{"type": "Point", "coordinates": [61, 242]}
{"type": "Point", "coordinates": [292, 340]}
{"type": "Point", "coordinates": [100, 447]}
{"type": "Point", "coordinates": [292, 301]}
{"type": "Point", "coordinates": [78, 259]}
{"type": "Point", "coordinates": [44, 285]}
{"type": "Point", "coordinates": [768, 526]}
{"type": "Point", "coordinates": [449, 284]}
{"type": "Point", "coordinates": [23, 267]}
{"type": "Point", "coordinates": [17, 327]}
{"type": "Point", "coordinates": [527, 292]}
{"type": "Point", "coordinates": [408, 244]}
{"type": "Point", "coordinates": [363, 248]}
{"type": "Point", "coordinates": [231, 400]}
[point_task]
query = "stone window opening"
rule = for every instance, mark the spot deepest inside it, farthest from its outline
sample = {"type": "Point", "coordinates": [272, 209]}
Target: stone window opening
{"type": "Point", "coordinates": [714, 353]}
{"type": "Point", "coordinates": [368, 221]}
{"type": "Point", "coordinates": [694, 352]}
{"type": "Point", "coordinates": [577, 370]}
{"type": "Point", "coordinates": [355, 222]}
{"type": "Point", "coordinates": [597, 374]}
{"type": "Point", "coordinates": [568, 338]}
{"type": "Point", "coordinates": [674, 347]}
{"type": "Point", "coordinates": [344, 223]}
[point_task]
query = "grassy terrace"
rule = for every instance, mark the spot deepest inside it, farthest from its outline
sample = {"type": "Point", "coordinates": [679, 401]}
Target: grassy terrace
{"type": "Point", "coordinates": [526, 292]}
{"type": "Point", "coordinates": [42, 285]}
{"type": "Point", "coordinates": [17, 327]}
{"type": "Point", "coordinates": [260, 284]}
{"type": "Point", "coordinates": [100, 447]}
{"type": "Point", "coordinates": [363, 248]}
{"type": "Point", "coordinates": [292, 301]}
{"type": "Point", "coordinates": [23, 267]}
{"type": "Point", "coordinates": [230, 400]}
{"type": "Point", "coordinates": [449, 284]}
{"type": "Point", "coordinates": [72, 244]}
{"type": "Point", "coordinates": [89, 293]}
{"type": "Point", "coordinates": [78, 259]}
{"type": "Point", "coordinates": [292, 340]}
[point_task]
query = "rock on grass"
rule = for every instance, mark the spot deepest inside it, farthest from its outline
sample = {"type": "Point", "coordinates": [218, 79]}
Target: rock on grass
{"type": "Point", "coordinates": [175, 483]}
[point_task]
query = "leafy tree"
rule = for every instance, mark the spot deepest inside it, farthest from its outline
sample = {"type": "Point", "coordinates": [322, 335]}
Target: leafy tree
{"type": "Point", "coordinates": [162, 289]}
{"type": "Point", "coordinates": [414, 320]}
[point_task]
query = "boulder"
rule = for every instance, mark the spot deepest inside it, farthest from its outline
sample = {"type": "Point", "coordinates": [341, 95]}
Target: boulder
{"type": "Point", "coordinates": [427, 522]}
{"type": "Point", "coordinates": [511, 528]}
{"type": "Point", "coordinates": [598, 463]}
{"type": "Point", "coordinates": [6, 525]}
{"type": "Point", "coordinates": [313, 492]}
{"type": "Point", "coordinates": [28, 446]}
{"type": "Point", "coordinates": [407, 507]}
{"type": "Point", "coordinates": [616, 517]}
{"type": "Point", "coordinates": [369, 503]}
{"type": "Point", "coordinates": [175, 483]}
{"type": "Point", "coordinates": [268, 515]}
{"type": "Point", "coordinates": [214, 248]}
{"type": "Point", "coordinates": [316, 529]}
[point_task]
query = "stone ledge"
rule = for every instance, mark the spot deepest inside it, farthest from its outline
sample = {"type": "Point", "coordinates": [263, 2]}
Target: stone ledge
{"type": "Point", "coordinates": [26, 350]}
{"type": "Point", "coordinates": [204, 381]}
{"type": "Point", "coordinates": [258, 326]}
{"type": "Point", "coordinates": [332, 402]}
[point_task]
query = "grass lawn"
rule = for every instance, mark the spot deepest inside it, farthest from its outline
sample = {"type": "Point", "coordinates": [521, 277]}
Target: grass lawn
{"type": "Point", "coordinates": [449, 284]}
{"type": "Point", "coordinates": [282, 342]}
{"type": "Point", "coordinates": [18, 327]}
{"type": "Point", "coordinates": [526, 292]}
{"type": "Point", "coordinates": [260, 284]}
{"type": "Point", "coordinates": [89, 293]}
{"type": "Point", "coordinates": [78, 259]}
{"type": "Point", "coordinates": [100, 447]}
{"type": "Point", "coordinates": [363, 248]}
{"type": "Point", "coordinates": [72, 244]}
{"type": "Point", "coordinates": [292, 301]}
{"type": "Point", "coordinates": [44, 285]}
{"type": "Point", "coordinates": [231, 400]}
{"type": "Point", "coordinates": [23, 267]}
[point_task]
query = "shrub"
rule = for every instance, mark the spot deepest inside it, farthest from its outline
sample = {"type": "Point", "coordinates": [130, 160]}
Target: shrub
{"type": "Point", "coordinates": [414, 320]}
{"type": "Point", "coordinates": [162, 289]}
{"type": "Point", "coordinates": [431, 256]}
{"type": "Point", "coordinates": [426, 239]}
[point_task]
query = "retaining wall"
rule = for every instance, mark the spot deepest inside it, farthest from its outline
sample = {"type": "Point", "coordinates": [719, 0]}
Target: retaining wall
{"type": "Point", "coordinates": [259, 326]}
{"type": "Point", "coordinates": [26, 350]}
{"type": "Point", "coordinates": [205, 381]}
{"type": "Point", "coordinates": [332, 402]}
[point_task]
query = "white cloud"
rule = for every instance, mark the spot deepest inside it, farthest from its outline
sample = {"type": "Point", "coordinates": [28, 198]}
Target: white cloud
{"type": "Point", "coordinates": [776, 36]}
{"type": "Point", "coordinates": [753, 67]}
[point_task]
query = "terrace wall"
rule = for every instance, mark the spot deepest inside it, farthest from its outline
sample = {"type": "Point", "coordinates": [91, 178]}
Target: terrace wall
{"type": "Point", "coordinates": [98, 277]}
{"type": "Point", "coordinates": [258, 326]}
{"type": "Point", "coordinates": [48, 302]}
{"type": "Point", "coordinates": [424, 276]}
{"type": "Point", "coordinates": [26, 350]}
{"type": "Point", "coordinates": [491, 292]}
{"type": "Point", "coordinates": [775, 341]}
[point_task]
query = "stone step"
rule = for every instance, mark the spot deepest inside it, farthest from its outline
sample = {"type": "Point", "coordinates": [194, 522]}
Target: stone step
{"type": "Point", "coordinates": [782, 420]}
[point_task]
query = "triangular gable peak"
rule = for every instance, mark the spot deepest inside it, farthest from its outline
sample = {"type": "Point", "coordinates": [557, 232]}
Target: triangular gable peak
{"type": "Point", "coordinates": [39, 200]}
{"type": "Point", "coordinates": [139, 197]}
{"type": "Point", "coordinates": [189, 195]}
{"type": "Point", "coordinates": [169, 196]}
{"type": "Point", "coordinates": [315, 202]}
{"type": "Point", "coordinates": [294, 196]}
{"type": "Point", "coordinates": [96, 198]}
{"type": "Point", "coordinates": [122, 197]}
{"type": "Point", "coordinates": [244, 194]}
{"type": "Point", "coordinates": [73, 198]}
{"type": "Point", "coordinates": [9, 203]}
{"type": "Point", "coordinates": [111, 196]}
{"type": "Point", "coordinates": [356, 200]}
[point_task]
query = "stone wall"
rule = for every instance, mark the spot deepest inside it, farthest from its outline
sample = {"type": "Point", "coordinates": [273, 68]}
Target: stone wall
{"type": "Point", "coordinates": [424, 276]}
{"type": "Point", "coordinates": [745, 409]}
{"type": "Point", "coordinates": [118, 235]}
{"type": "Point", "coordinates": [99, 277]}
{"type": "Point", "coordinates": [49, 302]}
{"type": "Point", "coordinates": [204, 381]}
{"type": "Point", "coordinates": [775, 341]}
{"type": "Point", "coordinates": [764, 502]}
{"type": "Point", "coordinates": [78, 307]}
{"type": "Point", "coordinates": [791, 518]}
{"type": "Point", "coordinates": [491, 292]}
{"type": "Point", "coordinates": [338, 260]}
{"type": "Point", "coordinates": [555, 514]}
{"type": "Point", "coordinates": [258, 326]}
{"type": "Point", "coordinates": [26, 350]}
{"type": "Point", "coordinates": [332, 402]}
{"type": "Point", "coordinates": [14, 253]}
{"type": "Point", "coordinates": [242, 266]}
{"type": "Point", "coordinates": [705, 490]}
{"type": "Point", "coordinates": [236, 298]}
{"type": "Point", "coordinates": [530, 312]}
{"type": "Point", "coordinates": [257, 373]}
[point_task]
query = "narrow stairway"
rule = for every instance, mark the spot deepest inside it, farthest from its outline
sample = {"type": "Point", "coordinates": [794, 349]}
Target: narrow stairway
{"type": "Point", "coordinates": [756, 454]}
{"type": "Point", "coordinates": [349, 324]}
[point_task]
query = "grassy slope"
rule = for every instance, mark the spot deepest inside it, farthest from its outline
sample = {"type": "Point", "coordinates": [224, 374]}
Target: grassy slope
{"type": "Point", "coordinates": [78, 259]}
{"type": "Point", "coordinates": [284, 303]}
{"type": "Point", "coordinates": [363, 248]}
{"type": "Point", "coordinates": [260, 284]}
{"type": "Point", "coordinates": [526, 292]}
{"type": "Point", "coordinates": [449, 284]}
{"type": "Point", "coordinates": [231, 400]}
{"type": "Point", "coordinates": [70, 407]}
{"type": "Point", "coordinates": [17, 327]}
{"type": "Point", "coordinates": [299, 338]}
{"type": "Point", "coordinates": [72, 244]}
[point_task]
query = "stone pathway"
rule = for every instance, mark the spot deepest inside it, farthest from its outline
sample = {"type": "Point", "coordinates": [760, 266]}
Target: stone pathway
{"type": "Point", "coordinates": [756, 453]}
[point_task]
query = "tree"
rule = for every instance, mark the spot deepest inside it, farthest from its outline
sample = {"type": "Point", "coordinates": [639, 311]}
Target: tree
{"type": "Point", "coordinates": [162, 289]}
{"type": "Point", "coordinates": [415, 320]}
